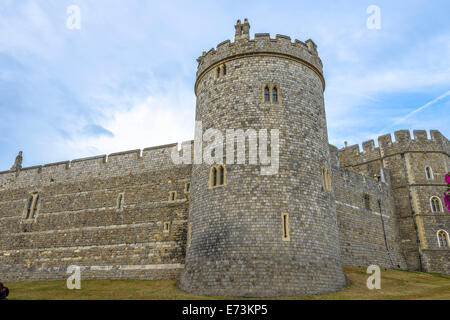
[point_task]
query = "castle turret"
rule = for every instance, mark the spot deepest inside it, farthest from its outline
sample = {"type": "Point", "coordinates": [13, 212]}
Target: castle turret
{"type": "Point", "coordinates": [254, 234]}
{"type": "Point", "coordinates": [242, 30]}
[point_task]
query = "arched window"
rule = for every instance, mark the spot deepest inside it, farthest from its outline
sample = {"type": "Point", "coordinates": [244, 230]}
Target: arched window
{"type": "Point", "coordinates": [172, 196]}
{"type": "Point", "coordinates": [274, 95]}
{"type": "Point", "coordinates": [224, 69]}
{"type": "Point", "coordinates": [285, 227]}
{"type": "Point", "coordinates": [166, 227]}
{"type": "Point", "coordinates": [366, 199]}
{"type": "Point", "coordinates": [217, 176]}
{"type": "Point", "coordinates": [213, 177]}
{"type": "Point", "coordinates": [436, 204]}
{"type": "Point", "coordinates": [35, 207]}
{"type": "Point", "coordinates": [218, 72]}
{"type": "Point", "coordinates": [326, 181]}
{"type": "Point", "coordinates": [30, 204]}
{"type": "Point", "coordinates": [187, 187]}
{"type": "Point", "coordinates": [429, 173]}
{"type": "Point", "coordinates": [442, 238]}
{"type": "Point", "coordinates": [266, 94]}
{"type": "Point", "coordinates": [221, 175]}
{"type": "Point", "coordinates": [120, 201]}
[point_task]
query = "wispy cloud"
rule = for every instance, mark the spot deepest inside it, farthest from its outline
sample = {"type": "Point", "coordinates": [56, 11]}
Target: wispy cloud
{"type": "Point", "coordinates": [125, 79]}
{"type": "Point", "coordinates": [427, 105]}
{"type": "Point", "coordinates": [155, 120]}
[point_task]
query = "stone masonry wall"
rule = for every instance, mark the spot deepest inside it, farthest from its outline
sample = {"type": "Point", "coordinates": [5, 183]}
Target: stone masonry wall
{"type": "Point", "coordinates": [363, 232]}
{"type": "Point", "coordinates": [436, 260]}
{"type": "Point", "coordinates": [237, 247]}
{"type": "Point", "coordinates": [78, 221]}
{"type": "Point", "coordinates": [406, 159]}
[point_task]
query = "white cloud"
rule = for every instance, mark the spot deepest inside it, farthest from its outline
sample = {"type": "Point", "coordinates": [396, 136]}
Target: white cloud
{"type": "Point", "coordinates": [357, 94]}
{"type": "Point", "coordinates": [159, 119]}
{"type": "Point", "coordinates": [30, 31]}
{"type": "Point", "coordinates": [97, 76]}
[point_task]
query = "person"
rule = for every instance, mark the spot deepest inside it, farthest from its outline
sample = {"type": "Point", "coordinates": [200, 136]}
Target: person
{"type": "Point", "coordinates": [4, 292]}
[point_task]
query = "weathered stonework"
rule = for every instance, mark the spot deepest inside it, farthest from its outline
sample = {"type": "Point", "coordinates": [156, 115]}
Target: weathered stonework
{"type": "Point", "coordinates": [236, 242]}
{"type": "Point", "coordinates": [79, 223]}
{"type": "Point", "coordinates": [138, 215]}
{"type": "Point", "coordinates": [407, 160]}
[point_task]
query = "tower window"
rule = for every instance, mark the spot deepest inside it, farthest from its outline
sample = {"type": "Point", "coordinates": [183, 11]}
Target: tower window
{"type": "Point", "coordinates": [266, 94]}
{"type": "Point", "coordinates": [36, 202]}
{"type": "Point", "coordinates": [271, 93]}
{"type": "Point", "coordinates": [275, 95]}
{"type": "Point", "coordinates": [32, 207]}
{"type": "Point", "coordinates": [214, 178]}
{"type": "Point", "coordinates": [220, 71]}
{"type": "Point", "coordinates": [221, 176]}
{"type": "Point", "coordinates": [119, 205]}
{"type": "Point", "coordinates": [217, 176]}
{"type": "Point", "coordinates": [285, 227]}
{"type": "Point", "coordinates": [326, 181]}
{"type": "Point", "coordinates": [29, 206]}
{"type": "Point", "coordinates": [172, 196]}
{"type": "Point", "coordinates": [166, 227]}
{"type": "Point", "coordinates": [429, 173]}
{"type": "Point", "coordinates": [366, 198]}
{"type": "Point", "coordinates": [436, 204]}
{"type": "Point", "coordinates": [443, 238]}
{"type": "Point", "coordinates": [189, 234]}
{"type": "Point", "coordinates": [187, 187]}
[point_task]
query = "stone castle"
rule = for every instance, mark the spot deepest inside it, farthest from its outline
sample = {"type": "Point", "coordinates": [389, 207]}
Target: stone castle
{"type": "Point", "coordinates": [226, 229]}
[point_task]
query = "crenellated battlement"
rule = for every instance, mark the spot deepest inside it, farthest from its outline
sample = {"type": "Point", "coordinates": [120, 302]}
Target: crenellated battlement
{"type": "Point", "coordinates": [132, 161]}
{"type": "Point", "coordinates": [305, 52]}
{"type": "Point", "coordinates": [403, 142]}
{"type": "Point", "coordinates": [148, 213]}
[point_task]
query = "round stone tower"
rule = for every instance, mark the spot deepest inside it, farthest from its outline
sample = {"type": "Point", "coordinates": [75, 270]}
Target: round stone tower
{"type": "Point", "coordinates": [254, 233]}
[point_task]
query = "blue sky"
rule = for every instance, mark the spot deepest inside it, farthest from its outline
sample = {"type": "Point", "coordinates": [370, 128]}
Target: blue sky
{"type": "Point", "coordinates": [125, 79]}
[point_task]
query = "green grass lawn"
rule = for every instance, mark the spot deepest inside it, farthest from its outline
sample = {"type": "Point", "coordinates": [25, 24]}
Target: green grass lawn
{"type": "Point", "coordinates": [395, 284]}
